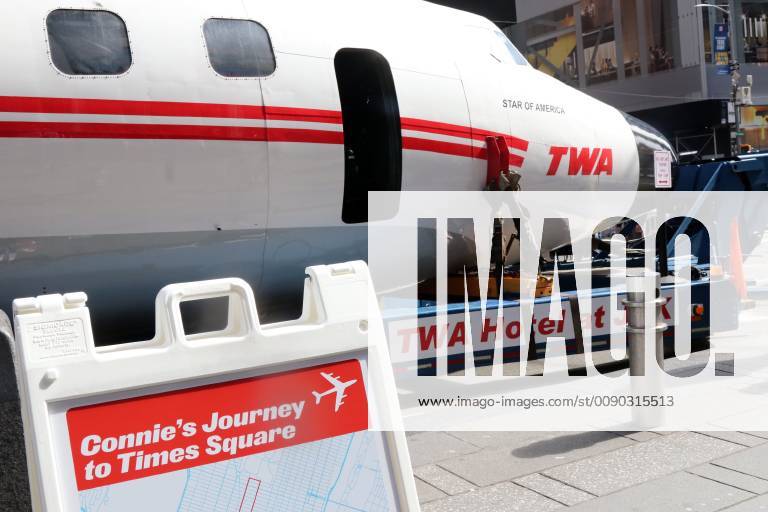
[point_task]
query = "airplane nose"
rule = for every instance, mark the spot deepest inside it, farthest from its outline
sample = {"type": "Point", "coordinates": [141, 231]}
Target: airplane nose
{"type": "Point", "coordinates": [648, 140]}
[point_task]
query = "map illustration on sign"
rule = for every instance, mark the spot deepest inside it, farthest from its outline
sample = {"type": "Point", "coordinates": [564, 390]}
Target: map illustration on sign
{"type": "Point", "coordinates": [334, 475]}
{"type": "Point", "coordinates": [338, 388]}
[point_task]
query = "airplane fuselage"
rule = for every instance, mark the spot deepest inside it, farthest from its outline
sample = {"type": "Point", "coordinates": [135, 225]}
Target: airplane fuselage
{"type": "Point", "coordinates": [170, 171]}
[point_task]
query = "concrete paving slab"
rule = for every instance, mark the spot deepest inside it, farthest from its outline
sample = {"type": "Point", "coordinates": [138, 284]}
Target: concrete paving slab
{"type": "Point", "coordinates": [725, 367]}
{"type": "Point", "coordinates": [741, 438]}
{"type": "Point", "coordinates": [763, 435]}
{"type": "Point", "coordinates": [730, 477]}
{"type": "Point", "coordinates": [494, 465]}
{"type": "Point", "coordinates": [752, 461]}
{"type": "Point", "coordinates": [553, 489]}
{"type": "Point", "coordinates": [442, 479]}
{"type": "Point", "coordinates": [430, 447]}
{"type": "Point", "coordinates": [506, 497]}
{"type": "Point", "coordinates": [641, 462]}
{"type": "Point", "coordinates": [681, 492]}
{"type": "Point", "coordinates": [505, 439]}
{"type": "Point", "coordinates": [696, 360]}
{"type": "Point", "coordinates": [428, 493]}
{"type": "Point", "coordinates": [752, 505]}
{"type": "Point", "coordinates": [639, 436]}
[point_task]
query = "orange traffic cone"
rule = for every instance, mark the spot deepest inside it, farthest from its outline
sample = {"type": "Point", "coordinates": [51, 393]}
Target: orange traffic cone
{"type": "Point", "coordinates": [737, 261]}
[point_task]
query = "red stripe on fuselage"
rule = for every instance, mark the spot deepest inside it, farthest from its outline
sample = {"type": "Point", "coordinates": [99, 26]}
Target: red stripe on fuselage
{"type": "Point", "coordinates": [454, 130]}
{"type": "Point", "coordinates": [512, 141]}
{"type": "Point", "coordinates": [87, 130]}
{"type": "Point", "coordinates": [128, 131]}
{"type": "Point", "coordinates": [450, 148]}
{"type": "Point", "coordinates": [306, 136]}
{"type": "Point", "coordinates": [436, 146]}
{"type": "Point", "coordinates": [128, 107]}
{"type": "Point", "coordinates": [14, 129]}
{"type": "Point", "coordinates": [421, 125]}
{"type": "Point", "coordinates": [303, 114]}
{"type": "Point", "coordinates": [22, 104]}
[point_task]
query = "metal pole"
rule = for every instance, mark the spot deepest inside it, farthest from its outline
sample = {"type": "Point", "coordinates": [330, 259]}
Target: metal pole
{"type": "Point", "coordinates": [636, 304]}
{"type": "Point", "coordinates": [642, 40]}
{"type": "Point", "coordinates": [660, 325]}
{"type": "Point", "coordinates": [731, 18]}
{"type": "Point", "coordinates": [735, 78]}
{"type": "Point", "coordinates": [618, 37]}
{"type": "Point", "coordinates": [580, 62]}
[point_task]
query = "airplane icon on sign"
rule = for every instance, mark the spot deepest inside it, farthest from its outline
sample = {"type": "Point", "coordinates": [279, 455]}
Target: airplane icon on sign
{"type": "Point", "coordinates": [338, 387]}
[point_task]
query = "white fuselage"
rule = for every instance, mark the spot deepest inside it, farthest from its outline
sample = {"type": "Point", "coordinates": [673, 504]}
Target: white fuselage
{"type": "Point", "coordinates": [171, 172]}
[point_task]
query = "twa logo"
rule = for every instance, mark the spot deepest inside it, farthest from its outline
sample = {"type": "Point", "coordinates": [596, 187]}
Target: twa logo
{"type": "Point", "coordinates": [584, 161]}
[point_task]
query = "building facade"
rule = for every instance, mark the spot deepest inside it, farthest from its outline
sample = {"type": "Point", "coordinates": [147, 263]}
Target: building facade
{"type": "Point", "coordinates": [654, 59]}
{"type": "Point", "coordinates": [501, 12]}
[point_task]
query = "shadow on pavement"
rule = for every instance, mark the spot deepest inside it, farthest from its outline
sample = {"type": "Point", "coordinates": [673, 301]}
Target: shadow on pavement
{"type": "Point", "coordinates": [562, 444]}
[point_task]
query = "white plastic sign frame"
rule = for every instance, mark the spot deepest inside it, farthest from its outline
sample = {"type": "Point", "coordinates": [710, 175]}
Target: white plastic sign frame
{"type": "Point", "coordinates": [58, 366]}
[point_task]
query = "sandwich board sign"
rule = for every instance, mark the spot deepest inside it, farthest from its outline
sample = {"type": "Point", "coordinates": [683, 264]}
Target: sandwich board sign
{"type": "Point", "coordinates": [250, 418]}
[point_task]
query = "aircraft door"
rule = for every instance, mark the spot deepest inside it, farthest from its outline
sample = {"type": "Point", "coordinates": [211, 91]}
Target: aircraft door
{"type": "Point", "coordinates": [373, 147]}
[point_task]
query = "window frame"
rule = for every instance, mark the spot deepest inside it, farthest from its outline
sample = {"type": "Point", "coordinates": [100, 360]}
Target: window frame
{"type": "Point", "coordinates": [208, 54]}
{"type": "Point", "coordinates": [49, 50]}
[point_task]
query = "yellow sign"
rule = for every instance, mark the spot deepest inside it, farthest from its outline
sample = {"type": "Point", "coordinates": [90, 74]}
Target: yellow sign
{"type": "Point", "coordinates": [721, 58]}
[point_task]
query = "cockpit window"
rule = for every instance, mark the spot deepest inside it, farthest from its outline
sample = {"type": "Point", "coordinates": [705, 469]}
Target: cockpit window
{"type": "Point", "coordinates": [507, 51]}
{"type": "Point", "coordinates": [86, 42]}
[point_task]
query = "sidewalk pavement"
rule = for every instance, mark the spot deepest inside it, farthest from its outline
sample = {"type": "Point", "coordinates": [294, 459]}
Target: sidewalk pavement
{"type": "Point", "coordinates": [593, 471]}
{"type": "Point", "coordinates": [601, 471]}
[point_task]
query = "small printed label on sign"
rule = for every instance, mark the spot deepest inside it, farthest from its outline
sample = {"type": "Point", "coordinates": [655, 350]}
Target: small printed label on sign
{"type": "Point", "coordinates": [662, 169]}
{"type": "Point", "coordinates": [137, 438]}
{"type": "Point", "coordinates": [56, 338]}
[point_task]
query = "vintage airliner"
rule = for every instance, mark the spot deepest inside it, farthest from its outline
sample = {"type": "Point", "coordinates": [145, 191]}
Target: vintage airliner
{"type": "Point", "coordinates": [144, 142]}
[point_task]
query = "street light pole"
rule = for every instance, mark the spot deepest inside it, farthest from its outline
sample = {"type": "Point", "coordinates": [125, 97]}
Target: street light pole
{"type": "Point", "coordinates": [733, 64]}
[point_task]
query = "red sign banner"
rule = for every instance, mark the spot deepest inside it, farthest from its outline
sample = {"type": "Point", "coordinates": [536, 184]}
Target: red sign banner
{"type": "Point", "coordinates": [129, 439]}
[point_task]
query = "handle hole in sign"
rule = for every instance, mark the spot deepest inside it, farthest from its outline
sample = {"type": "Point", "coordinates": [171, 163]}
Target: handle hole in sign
{"type": "Point", "coordinates": [363, 325]}
{"type": "Point", "coordinates": [200, 316]}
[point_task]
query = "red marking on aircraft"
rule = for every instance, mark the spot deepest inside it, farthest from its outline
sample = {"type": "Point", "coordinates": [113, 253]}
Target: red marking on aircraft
{"type": "Point", "coordinates": [581, 161]}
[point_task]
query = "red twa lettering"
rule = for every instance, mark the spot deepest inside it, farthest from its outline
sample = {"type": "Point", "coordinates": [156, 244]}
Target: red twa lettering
{"type": "Point", "coordinates": [605, 165]}
{"type": "Point", "coordinates": [557, 156]}
{"type": "Point", "coordinates": [581, 161]}
{"type": "Point", "coordinates": [428, 337]}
